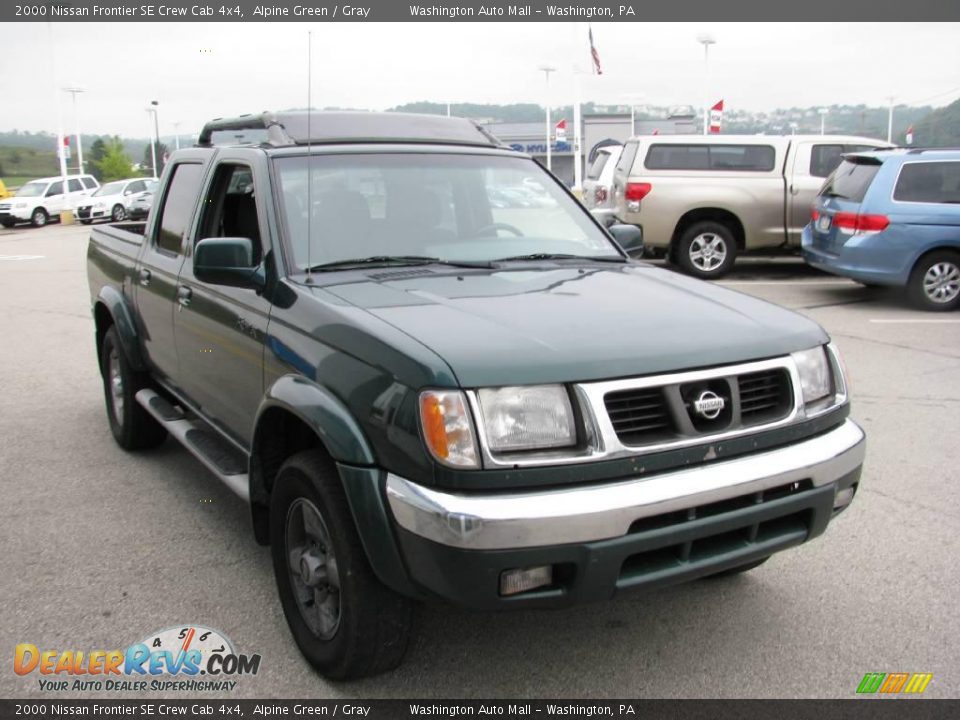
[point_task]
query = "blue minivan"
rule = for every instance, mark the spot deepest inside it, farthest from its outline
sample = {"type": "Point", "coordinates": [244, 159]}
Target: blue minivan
{"type": "Point", "coordinates": [892, 217]}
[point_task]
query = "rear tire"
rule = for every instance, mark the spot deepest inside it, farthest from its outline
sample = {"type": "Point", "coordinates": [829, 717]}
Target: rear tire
{"type": "Point", "coordinates": [132, 426]}
{"type": "Point", "coordinates": [345, 621]}
{"type": "Point", "coordinates": [737, 570]}
{"type": "Point", "coordinates": [39, 217]}
{"type": "Point", "coordinates": [935, 281]}
{"type": "Point", "coordinates": [707, 250]}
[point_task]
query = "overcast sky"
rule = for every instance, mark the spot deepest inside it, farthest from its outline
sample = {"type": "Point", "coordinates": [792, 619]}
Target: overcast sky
{"type": "Point", "coordinates": [199, 71]}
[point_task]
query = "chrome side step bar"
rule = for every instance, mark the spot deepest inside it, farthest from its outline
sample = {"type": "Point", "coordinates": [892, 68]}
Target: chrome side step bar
{"type": "Point", "coordinates": [218, 456]}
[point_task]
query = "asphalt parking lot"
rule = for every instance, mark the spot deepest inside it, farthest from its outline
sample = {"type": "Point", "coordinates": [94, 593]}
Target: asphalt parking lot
{"type": "Point", "coordinates": [101, 547]}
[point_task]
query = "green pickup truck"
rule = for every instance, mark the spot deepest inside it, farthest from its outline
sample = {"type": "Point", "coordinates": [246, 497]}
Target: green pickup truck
{"type": "Point", "coordinates": [426, 394]}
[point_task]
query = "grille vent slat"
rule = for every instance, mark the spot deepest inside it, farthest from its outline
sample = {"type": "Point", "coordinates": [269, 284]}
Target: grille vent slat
{"type": "Point", "coordinates": [639, 416]}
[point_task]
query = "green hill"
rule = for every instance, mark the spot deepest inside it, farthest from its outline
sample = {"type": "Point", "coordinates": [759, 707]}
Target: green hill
{"type": "Point", "coordinates": [941, 128]}
{"type": "Point", "coordinates": [19, 164]}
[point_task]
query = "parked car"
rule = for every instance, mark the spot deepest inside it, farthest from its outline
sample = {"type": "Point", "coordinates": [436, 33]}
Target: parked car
{"type": "Point", "coordinates": [892, 218]}
{"type": "Point", "coordinates": [112, 201]}
{"type": "Point", "coordinates": [425, 396]}
{"type": "Point", "coordinates": [40, 201]}
{"type": "Point", "coordinates": [598, 186]}
{"type": "Point", "coordinates": [704, 199]}
{"type": "Point", "coordinates": [140, 204]}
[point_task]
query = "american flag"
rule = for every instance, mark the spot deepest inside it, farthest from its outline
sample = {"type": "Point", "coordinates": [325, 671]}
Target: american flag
{"type": "Point", "coordinates": [593, 53]}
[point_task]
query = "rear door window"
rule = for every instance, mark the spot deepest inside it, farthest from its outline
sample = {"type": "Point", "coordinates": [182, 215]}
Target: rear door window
{"type": "Point", "coordinates": [74, 185]}
{"type": "Point", "coordinates": [851, 180]}
{"type": "Point", "coordinates": [626, 159]}
{"type": "Point", "coordinates": [178, 205]}
{"type": "Point", "coordinates": [928, 182]}
{"type": "Point", "coordinates": [597, 166]}
{"type": "Point", "coordinates": [88, 182]}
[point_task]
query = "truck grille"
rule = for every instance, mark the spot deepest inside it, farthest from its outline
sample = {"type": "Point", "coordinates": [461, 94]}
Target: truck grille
{"type": "Point", "coordinates": [5, 207]}
{"type": "Point", "coordinates": [764, 396]}
{"type": "Point", "coordinates": [640, 415]}
{"type": "Point", "coordinates": [699, 406]}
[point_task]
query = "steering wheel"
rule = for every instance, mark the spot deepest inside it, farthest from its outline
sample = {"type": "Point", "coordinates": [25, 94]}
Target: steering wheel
{"type": "Point", "coordinates": [499, 226]}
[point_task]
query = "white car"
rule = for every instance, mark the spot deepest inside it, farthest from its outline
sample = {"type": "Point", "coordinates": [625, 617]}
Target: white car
{"type": "Point", "coordinates": [40, 201]}
{"type": "Point", "coordinates": [113, 200]}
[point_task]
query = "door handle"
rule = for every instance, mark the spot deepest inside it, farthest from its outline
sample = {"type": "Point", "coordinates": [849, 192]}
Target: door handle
{"type": "Point", "coordinates": [794, 190]}
{"type": "Point", "coordinates": [183, 295]}
{"type": "Point", "coordinates": [144, 276]}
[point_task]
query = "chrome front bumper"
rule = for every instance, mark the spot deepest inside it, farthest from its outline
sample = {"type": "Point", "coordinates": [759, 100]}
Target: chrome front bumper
{"type": "Point", "coordinates": [498, 521]}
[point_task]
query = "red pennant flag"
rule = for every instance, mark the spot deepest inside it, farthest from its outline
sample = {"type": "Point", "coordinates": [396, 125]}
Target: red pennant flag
{"type": "Point", "coordinates": [716, 117]}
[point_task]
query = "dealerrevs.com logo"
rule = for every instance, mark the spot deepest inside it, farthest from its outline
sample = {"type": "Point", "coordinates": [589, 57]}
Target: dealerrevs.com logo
{"type": "Point", "coordinates": [190, 658]}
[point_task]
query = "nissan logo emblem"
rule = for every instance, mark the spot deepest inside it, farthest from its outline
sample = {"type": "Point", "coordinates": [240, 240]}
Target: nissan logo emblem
{"type": "Point", "coordinates": [709, 405]}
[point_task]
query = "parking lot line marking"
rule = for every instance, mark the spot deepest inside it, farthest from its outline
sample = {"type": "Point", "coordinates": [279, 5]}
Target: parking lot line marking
{"type": "Point", "coordinates": [936, 321]}
{"type": "Point", "coordinates": [785, 282]}
{"type": "Point", "coordinates": [21, 257]}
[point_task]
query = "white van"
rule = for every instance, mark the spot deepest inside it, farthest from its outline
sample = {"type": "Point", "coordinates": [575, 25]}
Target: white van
{"type": "Point", "coordinates": [40, 201]}
{"type": "Point", "coordinates": [703, 199]}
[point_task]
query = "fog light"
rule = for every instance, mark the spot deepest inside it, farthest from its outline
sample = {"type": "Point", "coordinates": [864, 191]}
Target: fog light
{"type": "Point", "coordinates": [844, 497]}
{"type": "Point", "coordinates": [523, 579]}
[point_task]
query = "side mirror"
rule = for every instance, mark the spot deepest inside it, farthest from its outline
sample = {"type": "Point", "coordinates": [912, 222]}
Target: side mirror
{"type": "Point", "coordinates": [629, 237]}
{"type": "Point", "coordinates": [227, 261]}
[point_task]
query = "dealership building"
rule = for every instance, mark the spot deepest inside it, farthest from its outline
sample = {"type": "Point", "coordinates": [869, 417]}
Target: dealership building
{"type": "Point", "coordinates": [597, 130]}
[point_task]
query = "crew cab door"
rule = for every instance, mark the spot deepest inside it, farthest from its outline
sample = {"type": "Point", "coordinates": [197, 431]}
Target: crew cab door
{"type": "Point", "coordinates": [220, 329]}
{"type": "Point", "coordinates": [159, 267]}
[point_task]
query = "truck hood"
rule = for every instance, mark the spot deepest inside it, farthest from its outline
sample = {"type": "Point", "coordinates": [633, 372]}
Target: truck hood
{"type": "Point", "coordinates": [564, 324]}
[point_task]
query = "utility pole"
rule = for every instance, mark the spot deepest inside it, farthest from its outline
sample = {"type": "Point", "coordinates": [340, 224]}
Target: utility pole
{"type": "Point", "coordinates": [706, 39]}
{"type": "Point", "coordinates": [546, 69]}
{"type": "Point", "coordinates": [176, 137]}
{"type": "Point", "coordinates": [155, 142]}
{"type": "Point", "coordinates": [890, 120]}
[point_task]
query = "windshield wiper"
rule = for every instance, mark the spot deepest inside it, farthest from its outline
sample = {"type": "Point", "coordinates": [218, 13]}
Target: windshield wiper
{"type": "Point", "coordinates": [397, 260]}
{"type": "Point", "coordinates": [564, 256]}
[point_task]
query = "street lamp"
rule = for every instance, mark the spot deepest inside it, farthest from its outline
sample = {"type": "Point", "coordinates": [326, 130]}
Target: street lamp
{"type": "Point", "coordinates": [823, 120]}
{"type": "Point", "coordinates": [156, 136]}
{"type": "Point", "coordinates": [176, 137]}
{"type": "Point", "coordinates": [546, 70]}
{"type": "Point", "coordinates": [706, 39]}
{"type": "Point", "coordinates": [76, 119]}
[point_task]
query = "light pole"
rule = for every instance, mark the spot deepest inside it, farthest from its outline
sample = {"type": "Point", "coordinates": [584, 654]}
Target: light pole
{"type": "Point", "coordinates": [632, 98]}
{"type": "Point", "coordinates": [890, 120]}
{"type": "Point", "coordinates": [546, 70]}
{"type": "Point", "coordinates": [706, 39]}
{"type": "Point", "coordinates": [76, 119]}
{"type": "Point", "coordinates": [176, 137]}
{"type": "Point", "coordinates": [823, 120]}
{"type": "Point", "coordinates": [156, 136]}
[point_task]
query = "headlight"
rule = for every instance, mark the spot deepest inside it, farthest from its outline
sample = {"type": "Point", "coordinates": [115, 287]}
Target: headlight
{"type": "Point", "coordinates": [814, 370]}
{"type": "Point", "coordinates": [527, 418]}
{"type": "Point", "coordinates": [98, 206]}
{"type": "Point", "coordinates": [447, 428]}
{"type": "Point", "coordinates": [20, 205]}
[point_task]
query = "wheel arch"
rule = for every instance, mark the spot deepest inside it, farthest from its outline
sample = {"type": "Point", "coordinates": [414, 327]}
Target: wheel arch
{"type": "Point", "coordinates": [111, 310]}
{"type": "Point", "coordinates": [708, 214]}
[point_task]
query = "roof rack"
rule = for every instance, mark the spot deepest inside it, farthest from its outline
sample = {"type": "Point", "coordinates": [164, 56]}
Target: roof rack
{"type": "Point", "coordinates": [327, 127]}
{"type": "Point", "coordinates": [918, 150]}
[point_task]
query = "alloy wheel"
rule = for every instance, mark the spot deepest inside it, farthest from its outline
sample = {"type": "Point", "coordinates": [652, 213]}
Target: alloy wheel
{"type": "Point", "coordinates": [708, 251]}
{"type": "Point", "coordinates": [941, 283]}
{"type": "Point", "coordinates": [312, 567]}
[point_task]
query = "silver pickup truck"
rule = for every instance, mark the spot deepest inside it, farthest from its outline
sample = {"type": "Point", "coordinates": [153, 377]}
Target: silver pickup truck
{"type": "Point", "coordinates": [703, 199]}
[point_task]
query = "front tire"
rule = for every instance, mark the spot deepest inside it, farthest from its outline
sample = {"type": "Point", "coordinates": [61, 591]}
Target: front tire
{"type": "Point", "coordinates": [86, 222]}
{"type": "Point", "coordinates": [935, 282]}
{"type": "Point", "coordinates": [707, 250]}
{"type": "Point", "coordinates": [119, 214]}
{"type": "Point", "coordinates": [132, 426]}
{"type": "Point", "coordinates": [345, 622]}
{"type": "Point", "coordinates": [39, 217]}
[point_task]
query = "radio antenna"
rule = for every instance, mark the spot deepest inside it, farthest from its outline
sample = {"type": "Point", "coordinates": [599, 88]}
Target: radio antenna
{"type": "Point", "coordinates": [309, 154]}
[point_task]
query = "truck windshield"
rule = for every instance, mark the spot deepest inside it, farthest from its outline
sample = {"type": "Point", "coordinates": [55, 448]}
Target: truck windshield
{"type": "Point", "coordinates": [32, 189]}
{"type": "Point", "coordinates": [453, 207]}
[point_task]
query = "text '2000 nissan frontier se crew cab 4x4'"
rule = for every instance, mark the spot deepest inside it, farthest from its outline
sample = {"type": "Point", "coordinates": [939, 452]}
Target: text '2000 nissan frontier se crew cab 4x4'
{"type": "Point", "coordinates": [424, 396]}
